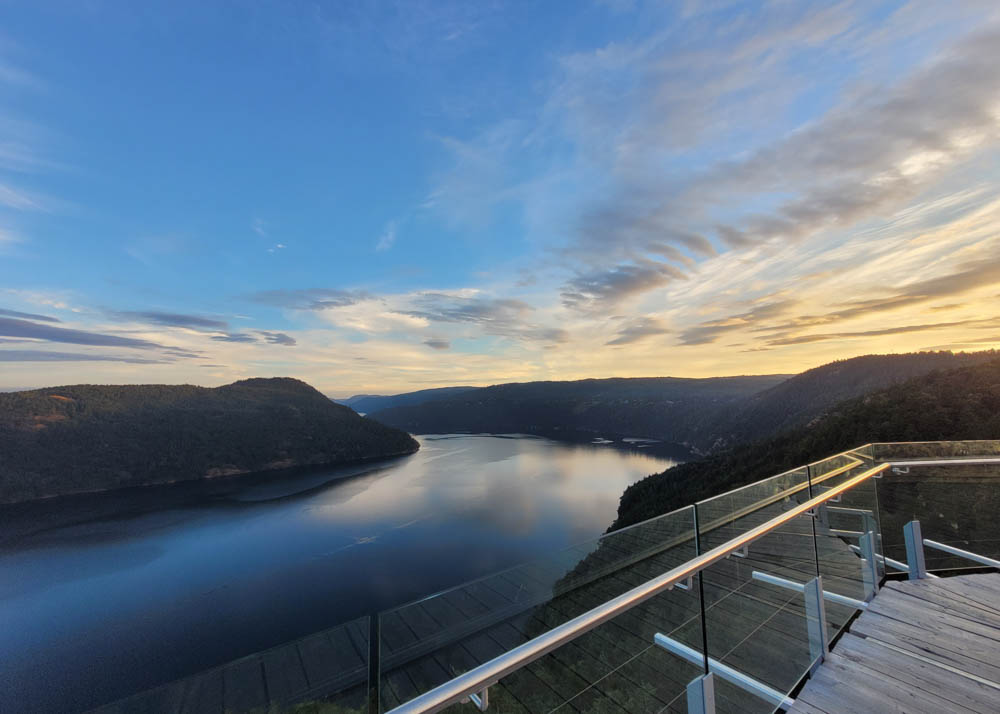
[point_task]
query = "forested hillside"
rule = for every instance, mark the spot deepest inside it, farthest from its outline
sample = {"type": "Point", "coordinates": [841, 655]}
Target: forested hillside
{"type": "Point", "coordinates": [808, 395]}
{"type": "Point", "coordinates": [367, 403]}
{"type": "Point", "coordinates": [88, 437]}
{"type": "Point", "coordinates": [706, 415]}
{"type": "Point", "coordinates": [664, 408]}
{"type": "Point", "coordinates": [943, 405]}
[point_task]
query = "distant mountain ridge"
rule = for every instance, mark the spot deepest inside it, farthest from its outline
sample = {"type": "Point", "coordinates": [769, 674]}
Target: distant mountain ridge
{"type": "Point", "coordinates": [74, 439]}
{"type": "Point", "coordinates": [955, 404]}
{"type": "Point", "coordinates": [663, 408]}
{"type": "Point", "coordinates": [808, 395]}
{"type": "Point", "coordinates": [367, 403]}
{"type": "Point", "coordinates": [705, 415]}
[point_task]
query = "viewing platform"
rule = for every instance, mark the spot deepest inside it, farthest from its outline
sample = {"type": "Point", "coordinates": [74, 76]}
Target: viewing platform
{"type": "Point", "coordinates": [727, 605]}
{"type": "Point", "coordinates": [921, 646]}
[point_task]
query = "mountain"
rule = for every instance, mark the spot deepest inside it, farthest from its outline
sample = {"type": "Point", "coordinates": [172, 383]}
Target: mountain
{"type": "Point", "coordinates": [663, 408]}
{"type": "Point", "coordinates": [955, 404]}
{"type": "Point", "coordinates": [808, 395]}
{"type": "Point", "coordinates": [705, 415]}
{"type": "Point", "coordinates": [367, 403]}
{"type": "Point", "coordinates": [73, 439]}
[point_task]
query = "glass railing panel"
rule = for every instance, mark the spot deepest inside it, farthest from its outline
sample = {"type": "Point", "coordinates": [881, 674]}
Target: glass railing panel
{"type": "Point", "coordinates": [618, 666]}
{"type": "Point", "coordinates": [842, 527]}
{"type": "Point", "coordinates": [956, 504]}
{"type": "Point", "coordinates": [757, 627]}
{"type": "Point", "coordinates": [728, 515]}
{"type": "Point", "coordinates": [426, 643]}
{"type": "Point", "coordinates": [892, 451]}
{"type": "Point", "coordinates": [327, 669]}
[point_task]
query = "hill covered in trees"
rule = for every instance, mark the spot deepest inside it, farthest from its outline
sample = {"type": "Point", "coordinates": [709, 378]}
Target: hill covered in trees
{"type": "Point", "coordinates": [808, 395]}
{"type": "Point", "coordinates": [705, 415]}
{"type": "Point", "coordinates": [664, 408]}
{"type": "Point", "coordinates": [367, 403]}
{"type": "Point", "coordinates": [955, 404]}
{"type": "Point", "coordinates": [74, 439]}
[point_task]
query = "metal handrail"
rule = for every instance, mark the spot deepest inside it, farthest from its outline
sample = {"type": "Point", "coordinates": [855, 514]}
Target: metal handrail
{"type": "Point", "coordinates": [975, 557]}
{"type": "Point", "coordinates": [489, 673]}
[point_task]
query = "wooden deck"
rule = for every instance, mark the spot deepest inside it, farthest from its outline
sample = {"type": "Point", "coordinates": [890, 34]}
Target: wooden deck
{"type": "Point", "coordinates": [921, 646]}
{"type": "Point", "coordinates": [753, 626]}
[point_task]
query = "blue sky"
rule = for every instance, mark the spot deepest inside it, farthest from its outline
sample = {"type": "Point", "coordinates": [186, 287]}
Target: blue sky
{"type": "Point", "coordinates": [386, 196]}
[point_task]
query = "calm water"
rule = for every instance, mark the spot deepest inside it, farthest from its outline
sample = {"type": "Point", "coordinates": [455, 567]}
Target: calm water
{"type": "Point", "coordinates": [106, 595]}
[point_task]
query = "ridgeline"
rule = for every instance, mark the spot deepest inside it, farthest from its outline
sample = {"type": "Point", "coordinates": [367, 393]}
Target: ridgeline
{"type": "Point", "coordinates": [704, 415]}
{"type": "Point", "coordinates": [75, 439]}
{"type": "Point", "coordinates": [956, 404]}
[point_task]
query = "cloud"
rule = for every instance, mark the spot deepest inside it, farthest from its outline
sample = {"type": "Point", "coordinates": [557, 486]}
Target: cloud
{"type": "Point", "coordinates": [710, 331]}
{"type": "Point", "coordinates": [502, 317]}
{"type": "Point", "coordinates": [21, 200]}
{"type": "Point", "coordinates": [172, 319]}
{"type": "Point", "coordinates": [969, 276]}
{"type": "Point", "coordinates": [22, 328]}
{"type": "Point", "coordinates": [442, 307]}
{"type": "Point", "coordinates": [437, 343]}
{"type": "Point", "coordinates": [276, 247]}
{"type": "Point", "coordinates": [45, 356]}
{"type": "Point", "coordinates": [8, 238]}
{"type": "Point", "coordinates": [309, 298]}
{"type": "Point", "coordinates": [259, 226]}
{"type": "Point", "coordinates": [605, 288]}
{"type": "Point", "coordinates": [901, 329]}
{"type": "Point", "coordinates": [277, 338]}
{"type": "Point", "coordinates": [28, 316]}
{"type": "Point", "coordinates": [388, 237]}
{"type": "Point", "coordinates": [235, 337]}
{"type": "Point", "coordinates": [637, 329]}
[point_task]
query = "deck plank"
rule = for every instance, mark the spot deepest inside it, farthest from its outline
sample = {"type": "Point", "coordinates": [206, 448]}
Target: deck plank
{"type": "Point", "coordinates": [921, 646]}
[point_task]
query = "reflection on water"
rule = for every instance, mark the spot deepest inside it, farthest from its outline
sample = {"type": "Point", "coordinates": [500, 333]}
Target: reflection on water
{"type": "Point", "coordinates": [105, 595]}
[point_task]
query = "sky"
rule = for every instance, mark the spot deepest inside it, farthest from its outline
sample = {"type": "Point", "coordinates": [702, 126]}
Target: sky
{"type": "Point", "coordinates": [379, 197]}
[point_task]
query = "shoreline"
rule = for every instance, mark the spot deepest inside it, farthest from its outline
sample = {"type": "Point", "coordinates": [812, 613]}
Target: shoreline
{"type": "Point", "coordinates": [214, 479]}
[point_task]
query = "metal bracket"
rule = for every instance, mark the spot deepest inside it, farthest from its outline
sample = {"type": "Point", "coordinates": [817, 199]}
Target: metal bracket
{"type": "Point", "coordinates": [800, 587]}
{"type": "Point", "coordinates": [742, 552]}
{"type": "Point", "coordinates": [701, 695]}
{"type": "Point", "coordinates": [685, 584]}
{"type": "Point", "coordinates": [730, 674]}
{"type": "Point", "coordinates": [482, 699]}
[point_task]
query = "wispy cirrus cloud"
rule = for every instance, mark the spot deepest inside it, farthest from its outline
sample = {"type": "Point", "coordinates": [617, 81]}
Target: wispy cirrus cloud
{"type": "Point", "coordinates": [309, 298]}
{"type": "Point", "coordinates": [171, 319]}
{"type": "Point", "coordinates": [502, 317]}
{"type": "Point", "coordinates": [637, 329]}
{"type": "Point", "coordinates": [48, 356]}
{"type": "Point", "coordinates": [28, 316]}
{"type": "Point", "coordinates": [896, 330]}
{"type": "Point", "coordinates": [240, 337]}
{"type": "Point", "coordinates": [12, 327]}
{"type": "Point", "coordinates": [388, 237]}
{"type": "Point", "coordinates": [604, 289]}
{"type": "Point", "coordinates": [277, 338]}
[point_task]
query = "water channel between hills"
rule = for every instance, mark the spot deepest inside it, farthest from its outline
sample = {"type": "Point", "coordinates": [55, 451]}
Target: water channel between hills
{"type": "Point", "coordinates": [105, 595]}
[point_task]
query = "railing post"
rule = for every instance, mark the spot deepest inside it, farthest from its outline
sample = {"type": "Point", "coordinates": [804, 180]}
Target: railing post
{"type": "Point", "coordinates": [701, 592]}
{"type": "Point", "coordinates": [816, 620]}
{"type": "Point", "coordinates": [869, 566]}
{"type": "Point", "coordinates": [374, 665]}
{"type": "Point", "coordinates": [914, 550]}
{"type": "Point", "coordinates": [701, 694]}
